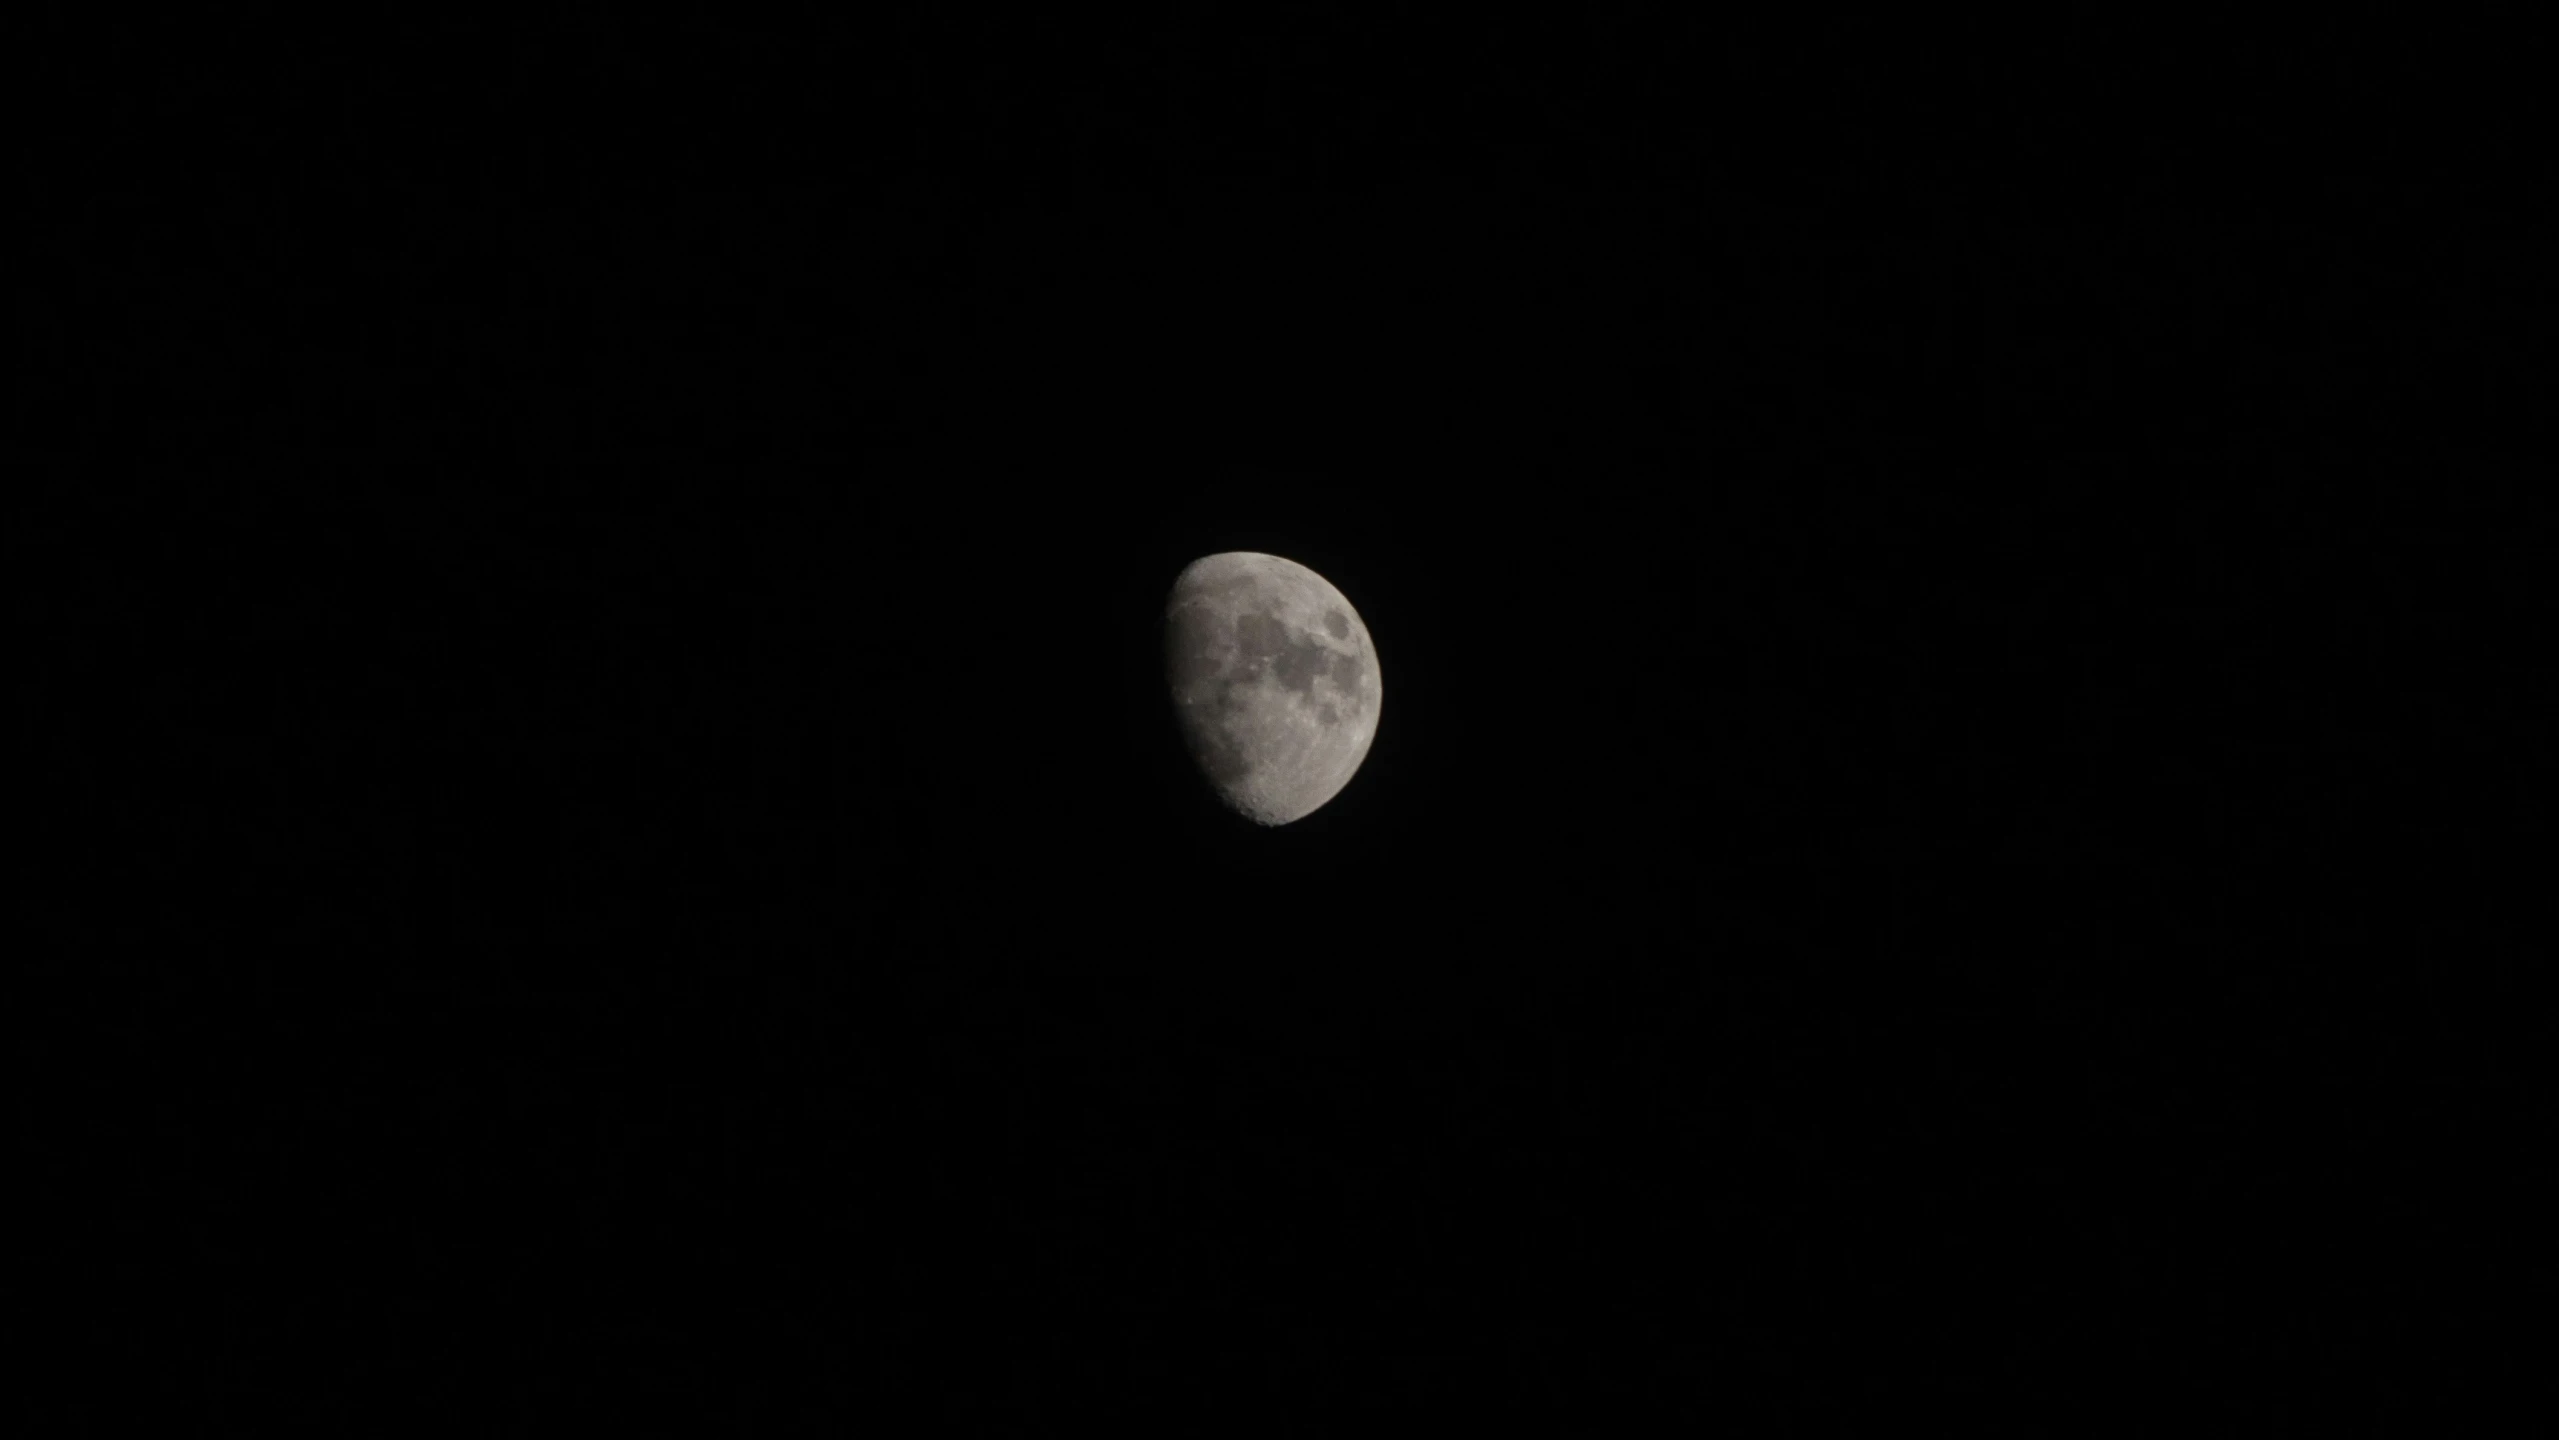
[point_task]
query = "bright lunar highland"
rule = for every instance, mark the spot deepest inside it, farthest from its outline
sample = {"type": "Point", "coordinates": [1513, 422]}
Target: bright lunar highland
{"type": "Point", "coordinates": [1274, 680]}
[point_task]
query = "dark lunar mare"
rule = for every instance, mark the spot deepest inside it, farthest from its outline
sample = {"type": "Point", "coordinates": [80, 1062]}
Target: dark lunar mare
{"type": "Point", "coordinates": [1260, 637]}
{"type": "Point", "coordinates": [1299, 665]}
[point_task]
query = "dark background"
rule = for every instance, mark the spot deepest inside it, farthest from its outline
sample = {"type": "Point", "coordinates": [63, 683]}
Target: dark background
{"type": "Point", "coordinates": [1961, 630]}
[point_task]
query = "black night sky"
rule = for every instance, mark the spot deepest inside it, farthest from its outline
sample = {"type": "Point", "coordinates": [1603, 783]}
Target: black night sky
{"type": "Point", "coordinates": [1945, 845]}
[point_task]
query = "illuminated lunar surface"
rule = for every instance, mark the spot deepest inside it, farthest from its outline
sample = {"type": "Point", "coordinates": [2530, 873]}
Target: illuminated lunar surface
{"type": "Point", "coordinates": [1274, 682]}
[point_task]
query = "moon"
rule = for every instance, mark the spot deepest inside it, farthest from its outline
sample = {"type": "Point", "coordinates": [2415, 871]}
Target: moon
{"type": "Point", "coordinates": [1274, 680]}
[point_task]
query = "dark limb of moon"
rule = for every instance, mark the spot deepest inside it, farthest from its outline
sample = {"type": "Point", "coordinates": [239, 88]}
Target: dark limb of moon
{"type": "Point", "coordinates": [1274, 682]}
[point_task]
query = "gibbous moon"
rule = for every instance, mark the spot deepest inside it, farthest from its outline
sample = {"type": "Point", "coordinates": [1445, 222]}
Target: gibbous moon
{"type": "Point", "coordinates": [1274, 681]}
